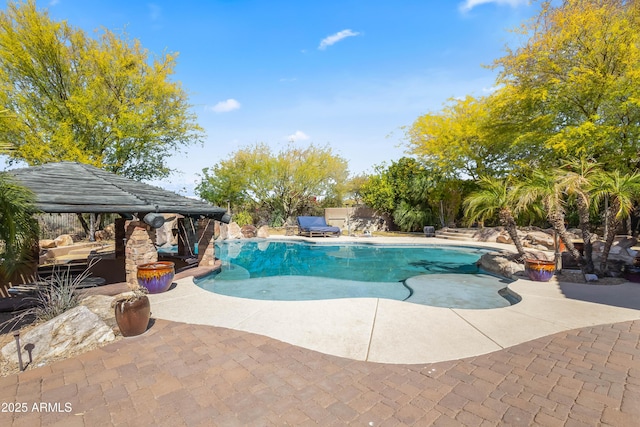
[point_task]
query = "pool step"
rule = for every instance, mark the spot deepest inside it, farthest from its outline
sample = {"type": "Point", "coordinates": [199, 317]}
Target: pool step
{"type": "Point", "coordinates": [463, 234]}
{"type": "Point", "coordinates": [233, 272]}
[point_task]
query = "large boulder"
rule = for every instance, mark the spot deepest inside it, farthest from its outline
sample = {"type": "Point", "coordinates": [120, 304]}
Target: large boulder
{"type": "Point", "coordinates": [263, 232]}
{"type": "Point", "coordinates": [47, 243]}
{"type": "Point", "coordinates": [107, 233]}
{"type": "Point", "coordinates": [248, 231]}
{"type": "Point", "coordinates": [488, 234]}
{"type": "Point", "coordinates": [101, 305]}
{"type": "Point", "coordinates": [63, 240]}
{"type": "Point", "coordinates": [540, 238]}
{"type": "Point", "coordinates": [620, 254]}
{"type": "Point", "coordinates": [506, 263]}
{"type": "Point", "coordinates": [75, 330]}
{"type": "Point", "coordinates": [234, 231]}
{"type": "Point", "coordinates": [230, 231]}
{"type": "Point", "coordinates": [625, 242]}
{"type": "Point", "coordinates": [504, 238]}
{"type": "Point", "coordinates": [502, 264]}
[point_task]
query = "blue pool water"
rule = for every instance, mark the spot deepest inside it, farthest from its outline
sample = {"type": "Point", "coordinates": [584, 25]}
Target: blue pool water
{"type": "Point", "coordinates": [293, 271]}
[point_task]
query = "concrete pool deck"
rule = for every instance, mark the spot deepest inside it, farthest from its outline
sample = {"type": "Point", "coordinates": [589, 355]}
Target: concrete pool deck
{"type": "Point", "coordinates": [181, 374]}
{"type": "Point", "coordinates": [387, 331]}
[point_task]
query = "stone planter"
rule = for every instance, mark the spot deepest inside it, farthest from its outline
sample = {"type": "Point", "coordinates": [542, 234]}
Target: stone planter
{"type": "Point", "coordinates": [156, 276]}
{"type": "Point", "coordinates": [132, 316]}
{"type": "Point", "coordinates": [539, 270]}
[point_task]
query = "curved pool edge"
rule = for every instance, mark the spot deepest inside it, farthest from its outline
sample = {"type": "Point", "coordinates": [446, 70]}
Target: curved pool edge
{"type": "Point", "coordinates": [271, 284]}
{"type": "Point", "coordinates": [387, 331]}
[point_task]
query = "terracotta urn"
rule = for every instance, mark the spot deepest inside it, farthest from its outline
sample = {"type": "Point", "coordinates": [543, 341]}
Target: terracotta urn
{"type": "Point", "coordinates": [132, 316]}
{"type": "Point", "coordinates": [539, 270]}
{"type": "Point", "coordinates": [156, 276]}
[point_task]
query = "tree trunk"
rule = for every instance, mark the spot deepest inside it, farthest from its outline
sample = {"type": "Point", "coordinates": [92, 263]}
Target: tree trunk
{"type": "Point", "coordinates": [556, 219]}
{"type": "Point", "coordinates": [583, 214]}
{"type": "Point", "coordinates": [612, 226]}
{"type": "Point", "coordinates": [92, 227]}
{"type": "Point", "coordinates": [507, 220]}
{"type": "Point", "coordinates": [84, 224]}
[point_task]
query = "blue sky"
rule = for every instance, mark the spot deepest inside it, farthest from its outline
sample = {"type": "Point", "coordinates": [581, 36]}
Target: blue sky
{"type": "Point", "coordinates": [348, 74]}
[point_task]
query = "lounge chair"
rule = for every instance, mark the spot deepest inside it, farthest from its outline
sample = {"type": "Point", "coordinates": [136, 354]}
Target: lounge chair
{"type": "Point", "coordinates": [315, 225]}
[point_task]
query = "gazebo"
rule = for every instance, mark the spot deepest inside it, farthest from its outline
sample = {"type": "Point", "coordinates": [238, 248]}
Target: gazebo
{"type": "Point", "coordinates": [71, 187]}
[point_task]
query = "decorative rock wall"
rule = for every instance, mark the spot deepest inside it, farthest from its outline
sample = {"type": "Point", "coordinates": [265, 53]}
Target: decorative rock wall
{"type": "Point", "coordinates": [139, 248]}
{"type": "Point", "coordinates": [206, 241]}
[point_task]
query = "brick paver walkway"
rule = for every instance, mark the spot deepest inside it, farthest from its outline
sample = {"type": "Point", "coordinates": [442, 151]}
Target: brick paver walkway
{"type": "Point", "coordinates": [178, 374]}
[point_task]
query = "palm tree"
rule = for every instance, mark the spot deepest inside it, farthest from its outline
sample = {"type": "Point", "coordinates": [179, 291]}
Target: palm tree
{"type": "Point", "coordinates": [544, 187]}
{"type": "Point", "coordinates": [577, 178]}
{"type": "Point", "coordinates": [18, 228]}
{"type": "Point", "coordinates": [621, 190]}
{"type": "Point", "coordinates": [495, 196]}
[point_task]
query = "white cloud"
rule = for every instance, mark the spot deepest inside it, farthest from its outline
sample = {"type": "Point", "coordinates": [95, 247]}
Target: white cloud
{"type": "Point", "coordinates": [335, 38]}
{"type": "Point", "coordinates": [298, 136]}
{"type": "Point", "coordinates": [489, 89]}
{"type": "Point", "coordinates": [225, 106]}
{"type": "Point", "coordinates": [467, 5]}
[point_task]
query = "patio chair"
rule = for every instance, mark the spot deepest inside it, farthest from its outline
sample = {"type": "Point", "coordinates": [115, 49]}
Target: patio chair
{"type": "Point", "coordinates": [316, 225]}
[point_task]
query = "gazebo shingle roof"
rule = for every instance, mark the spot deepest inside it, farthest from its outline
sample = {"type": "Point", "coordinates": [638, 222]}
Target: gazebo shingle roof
{"type": "Point", "coordinates": [71, 187]}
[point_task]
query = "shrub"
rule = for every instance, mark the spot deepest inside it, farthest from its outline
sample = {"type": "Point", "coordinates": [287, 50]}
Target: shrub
{"type": "Point", "coordinates": [243, 218]}
{"type": "Point", "coordinates": [58, 293]}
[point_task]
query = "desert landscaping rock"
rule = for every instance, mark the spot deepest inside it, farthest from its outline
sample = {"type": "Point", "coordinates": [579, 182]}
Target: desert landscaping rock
{"type": "Point", "coordinates": [63, 240]}
{"type": "Point", "coordinates": [77, 330]}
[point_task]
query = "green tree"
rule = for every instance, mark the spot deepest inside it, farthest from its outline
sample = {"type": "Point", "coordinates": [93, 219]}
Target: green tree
{"type": "Point", "coordinates": [544, 187]}
{"type": "Point", "coordinates": [353, 188]}
{"type": "Point", "coordinates": [104, 101]}
{"type": "Point", "coordinates": [577, 178]}
{"type": "Point", "coordinates": [621, 190]}
{"type": "Point", "coordinates": [286, 184]}
{"type": "Point", "coordinates": [467, 137]}
{"type": "Point", "coordinates": [401, 191]}
{"type": "Point", "coordinates": [240, 180]}
{"type": "Point", "coordinates": [576, 81]}
{"type": "Point", "coordinates": [378, 193]}
{"type": "Point", "coordinates": [18, 228]}
{"type": "Point", "coordinates": [496, 196]}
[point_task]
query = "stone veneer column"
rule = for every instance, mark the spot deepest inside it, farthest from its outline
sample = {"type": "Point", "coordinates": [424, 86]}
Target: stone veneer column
{"type": "Point", "coordinates": [139, 248]}
{"type": "Point", "coordinates": [206, 241]}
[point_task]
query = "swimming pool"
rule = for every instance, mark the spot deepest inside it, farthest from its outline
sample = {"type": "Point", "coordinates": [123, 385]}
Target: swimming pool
{"type": "Point", "coordinates": [445, 276]}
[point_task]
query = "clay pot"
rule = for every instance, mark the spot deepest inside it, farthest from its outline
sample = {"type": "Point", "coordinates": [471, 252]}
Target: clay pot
{"type": "Point", "coordinates": [539, 270]}
{"type": "Point", "coordinates": [133, 316]}
{"type": "Point", "coordinates": [156, 276]}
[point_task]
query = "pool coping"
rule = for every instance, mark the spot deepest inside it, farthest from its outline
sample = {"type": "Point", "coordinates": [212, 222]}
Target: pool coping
{"type": "Point", "coordinates": [389, 331]}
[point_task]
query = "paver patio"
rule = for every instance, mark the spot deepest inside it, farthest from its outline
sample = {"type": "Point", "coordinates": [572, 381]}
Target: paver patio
{"type": "Point", "coordinates": [210, 375]}
{"type": "Point", "coordinates": [181, 374]}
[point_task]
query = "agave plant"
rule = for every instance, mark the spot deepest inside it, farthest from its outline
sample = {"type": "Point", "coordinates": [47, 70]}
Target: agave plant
{"type": "Point", "coordinates": [57, 293]}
